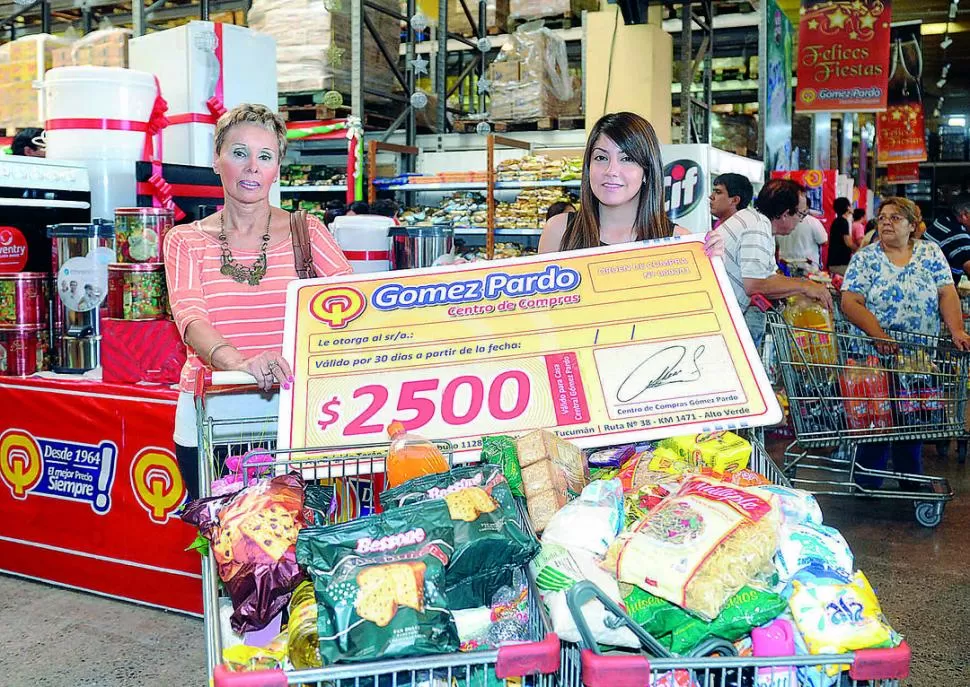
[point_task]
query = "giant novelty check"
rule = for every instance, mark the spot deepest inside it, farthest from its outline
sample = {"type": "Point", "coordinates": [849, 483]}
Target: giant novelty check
{"type": "Point", "coordinates": [604, 346]}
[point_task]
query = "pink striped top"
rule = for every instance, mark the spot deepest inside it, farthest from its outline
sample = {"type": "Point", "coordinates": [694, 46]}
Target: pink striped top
{"type": "Point", "coordinates": [249, 317]}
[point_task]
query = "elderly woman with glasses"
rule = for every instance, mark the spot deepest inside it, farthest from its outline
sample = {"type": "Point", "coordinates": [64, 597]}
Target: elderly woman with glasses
{"type": "Point", "coordinates": [901, 283]}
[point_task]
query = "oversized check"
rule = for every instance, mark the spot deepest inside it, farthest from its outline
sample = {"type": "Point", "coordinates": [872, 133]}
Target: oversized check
{"type": "Point", "coordinates": [604, 346]}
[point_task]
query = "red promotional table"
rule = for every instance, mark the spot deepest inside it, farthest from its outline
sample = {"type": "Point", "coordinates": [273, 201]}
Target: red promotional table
{"type": "Point", "coordinates": [88, 487]}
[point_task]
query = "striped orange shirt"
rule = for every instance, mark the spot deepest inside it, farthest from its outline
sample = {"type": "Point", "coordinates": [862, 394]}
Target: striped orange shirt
{"type": "Point", "coordinates": [249, 317]}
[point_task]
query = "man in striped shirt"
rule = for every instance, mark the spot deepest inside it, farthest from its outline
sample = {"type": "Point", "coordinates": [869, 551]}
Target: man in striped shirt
{"type": "Point", "coordinates": [749, 251]}
{"type": "Point", "coordinates": [952, 233]}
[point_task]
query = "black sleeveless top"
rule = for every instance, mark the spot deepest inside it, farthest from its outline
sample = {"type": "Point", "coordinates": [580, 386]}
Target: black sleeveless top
{"type": "Point", "coordinates": [570, 219]}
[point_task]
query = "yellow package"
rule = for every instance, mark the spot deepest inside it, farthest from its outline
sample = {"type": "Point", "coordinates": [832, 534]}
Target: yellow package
{"type": "Point", "coordinates": [723, 451]}
{"type": "Point", "coordinates": [243, 658]}
{"type": "Point", "coordinates": [839, 618]}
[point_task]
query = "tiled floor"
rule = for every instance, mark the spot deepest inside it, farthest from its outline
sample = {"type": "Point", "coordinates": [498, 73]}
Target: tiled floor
{"type": "Point", "coordinates": [57, 637]}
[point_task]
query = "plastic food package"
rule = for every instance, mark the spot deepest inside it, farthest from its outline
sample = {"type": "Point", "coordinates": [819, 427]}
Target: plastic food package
{"type": "Point", "coordinates": [722, 451]}
{"type": "Point", "coordinates": [700, 546]}
{"type": "Point", "coordinates": [553, 473]}
{"type": "Point", "coordinates": [838, 618]}
{"type": "Point", "coordinates": [530, 76]}
{"type": "Point", "coordinates": [252, 535]}
{"type": "Point", "coordinates": [411, 456]}
{"type": "Point", "coordinates": [303, 641]}
{"type": "Point", "coordinates": [501, 451]}
{"type": "Point", "coordinates": [555, 571]}
{"type": "Point", "coordinates": [591, 522]}
{"type": "Point", "coordinates": [746, 610]}
{"type": "Point", "coordinates": [505, 620]}
{"type": "Point", "coordinates": [244, 658]}
{"type": "Point", "coordinates": [813, 551]}
{"type": "Point", "coordinates": [379, 584]}
{"type": "Point", "coordinates": [490, 543]}
{"type": "Point", "coordinates": [796, 505]}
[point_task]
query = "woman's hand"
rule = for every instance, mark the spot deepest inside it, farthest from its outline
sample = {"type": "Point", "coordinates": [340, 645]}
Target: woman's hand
{"type": "Point", "coordinates": [886, 346]}
{"type": "Point", "coordinates": [961, 340]}
{"type": "Point", "coordinates": [269, 369]}
{"type": "Point", "coordinates": [714, 244]}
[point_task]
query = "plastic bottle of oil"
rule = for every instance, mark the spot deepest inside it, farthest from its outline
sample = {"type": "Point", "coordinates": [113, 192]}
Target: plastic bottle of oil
{"type": "Point", "coordinates": [411, 456]}
{"type": "Point", "coordinates": [817, 346]}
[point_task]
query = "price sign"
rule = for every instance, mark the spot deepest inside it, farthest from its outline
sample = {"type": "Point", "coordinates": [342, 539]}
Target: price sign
{"type": "Point", "coordinates": [603, 346]}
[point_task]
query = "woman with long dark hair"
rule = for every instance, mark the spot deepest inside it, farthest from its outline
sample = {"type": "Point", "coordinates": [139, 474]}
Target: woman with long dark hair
{"type": "Point", "coordinates": [622, 192]}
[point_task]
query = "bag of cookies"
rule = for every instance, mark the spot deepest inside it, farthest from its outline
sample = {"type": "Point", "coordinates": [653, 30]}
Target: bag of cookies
{"type": "Point", "coordinates": [490, 540]}
{"type": "Point", "coordinates": [252, 535]}
{"type": "Point", "coordinates": [379, 585]}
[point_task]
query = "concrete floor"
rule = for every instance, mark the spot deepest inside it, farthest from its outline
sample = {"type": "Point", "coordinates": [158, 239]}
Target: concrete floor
{"type": "Point", "coordinates": [55, 637]}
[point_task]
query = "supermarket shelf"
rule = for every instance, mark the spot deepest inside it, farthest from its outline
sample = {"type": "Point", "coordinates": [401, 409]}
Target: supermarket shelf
{"type": "Point", "coordinates": [502, 185]}
{"type": "Point", "coordinates": [482, 231]}
{"type": "Point", "coordinates": [311, 189]}
{"type": "Point", "coordinates": [498, 42]}
{"type": "Point", "coordinates": [449, 186]}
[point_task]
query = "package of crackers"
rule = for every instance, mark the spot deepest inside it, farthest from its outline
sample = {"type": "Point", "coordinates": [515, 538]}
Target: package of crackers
{"type": "Point", "coordinates": [252, 535]}
{"type": "Point", "coordinates": [379, 584]}
{"type": "Point", "coordinates": [491, 540]}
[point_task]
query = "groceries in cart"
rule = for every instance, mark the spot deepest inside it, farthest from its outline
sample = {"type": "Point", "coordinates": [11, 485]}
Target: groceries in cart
{"type": "Point", "coordinates": [813, 331]}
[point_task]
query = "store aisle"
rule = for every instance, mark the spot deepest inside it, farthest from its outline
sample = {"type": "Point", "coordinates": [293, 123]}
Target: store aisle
{"type": "Point", "coordinates": [55, 637]}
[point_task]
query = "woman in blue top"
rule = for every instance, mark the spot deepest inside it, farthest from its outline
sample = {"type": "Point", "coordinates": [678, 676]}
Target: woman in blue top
{"type": "Point", "coordinates": [900, 283]}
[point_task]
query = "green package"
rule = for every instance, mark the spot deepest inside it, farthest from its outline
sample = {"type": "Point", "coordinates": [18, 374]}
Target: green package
{"type": "Point", "coordinates": [500, 450]}
{"type": "Point", "coordinates": [490, 541]}
{"type": "Point", "coordinates": [379, 584]}
{"type": "Point", "coordinates": [318, 504]}
{"type": "Point", "coordinates": [655, 615]}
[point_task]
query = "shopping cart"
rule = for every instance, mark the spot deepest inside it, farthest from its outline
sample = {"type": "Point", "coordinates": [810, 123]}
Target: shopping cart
{"type": "Point", "coordinates": [356, 474]}
{"type": "Point", "coordinates": [963, 441]}
{"type": "Point", "coordinates": [714, 663]}
{"type": "Point", "coordinates": [845, 390]}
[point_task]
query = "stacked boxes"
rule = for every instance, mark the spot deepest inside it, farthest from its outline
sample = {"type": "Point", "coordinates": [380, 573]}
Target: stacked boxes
{"type": "Point", "coordinates": [107, 48]}
{"type": "Point", "coordinates": [313, 44]}
{"type": "Point", "coordinates": [23, 62]}
{"type": "Point", "coordinates": [530, 77]}
{"type": "Point", "coordinates": [527, 10]}
{"type": "Point", "coordinates": [496, 16]}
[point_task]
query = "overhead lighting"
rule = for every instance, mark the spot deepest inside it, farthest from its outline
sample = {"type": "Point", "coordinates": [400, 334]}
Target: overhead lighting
{"type": "Point", "coordinates": [947, 42]}
{"type": "Point", "coordinates": [953, 11]}
{"type": "Point", "coordinates": [941, 83]}
{"type": "Point", "coordinates": [956, 121]}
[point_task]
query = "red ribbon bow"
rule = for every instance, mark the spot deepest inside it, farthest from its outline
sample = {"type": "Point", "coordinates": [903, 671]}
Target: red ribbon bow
{"type": "Point", "coordinates": [162, 192]}
{"type": "Point", "coordinates": [216, 107]}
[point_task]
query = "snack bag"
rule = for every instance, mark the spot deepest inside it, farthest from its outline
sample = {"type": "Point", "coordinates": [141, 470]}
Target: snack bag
{"type": "Point", "coordinates": [723, 451]}
{"type": "Point", "coordinates": [838, 618]}
{"type": "Point", "coordinates": [303, 642]}
{"type": "Point", "coordinates": [591, 522]}
{"type": "Point", "coordinates": [700, 546]}
{"type": "Point", "coordinates": [243, 658]}
{"type": "Point", "coordinates": [655, 615]}
{"type": "Point", "coordinates": [500, 450]}
{"type": "Point", "coordinates": [379, 584]}
{"type": "Point", "coordinates": [644, 466]}
{"type": "Point", "coordinates": [252, 535]}
{"type": "Point", "coordinates": [490, 541]}
{"type": "Point", "coordinates": [746, 610]}
{"type": "Point", "coordinates": [652, 489]}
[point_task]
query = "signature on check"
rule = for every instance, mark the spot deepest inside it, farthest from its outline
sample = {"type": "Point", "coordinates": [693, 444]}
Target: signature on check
{"type": "Point", "coordinates": [670, 365]}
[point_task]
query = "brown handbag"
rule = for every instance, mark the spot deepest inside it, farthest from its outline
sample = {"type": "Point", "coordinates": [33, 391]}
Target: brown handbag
{"type": "Point", "coordinates": [302, 255]}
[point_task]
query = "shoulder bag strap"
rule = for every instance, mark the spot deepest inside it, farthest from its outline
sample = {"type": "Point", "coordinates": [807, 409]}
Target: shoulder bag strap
{"type": "Point", "coordinates": [302, 256]}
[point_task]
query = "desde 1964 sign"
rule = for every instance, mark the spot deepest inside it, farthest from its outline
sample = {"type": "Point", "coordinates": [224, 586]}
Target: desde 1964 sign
{"type": "Point", "coordinates": [843, 56]}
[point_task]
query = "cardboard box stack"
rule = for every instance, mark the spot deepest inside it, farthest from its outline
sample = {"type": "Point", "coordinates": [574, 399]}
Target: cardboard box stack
{"type": "Point", "coordinates": [527, 10]}
{"type": "Point", "coordinates": [496, 16]}
{"type": "Point", "coordinates": [313, 47]}
{"type": "Point", "coordinates": [104, 48]}
{"type": "Point", "coordinates": [530, 77]}
{"type": "Point", "coordinates": [22, 62]}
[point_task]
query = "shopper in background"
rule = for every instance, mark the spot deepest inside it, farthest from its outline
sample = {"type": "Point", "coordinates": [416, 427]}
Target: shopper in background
{"type": "Point", "coordinates": [749, 251]}
{"type": "Point", "coordinates": [732, 192]}
{"type": "Point", "coordinates": [840, 237]}
{"type": "Point", "coordinates": [334, 209]}
{"type": "Point", "coordinates": [385, 207]}
{"type": "Point", "coordinates": [622, 193]}
{"type": "Point", "coordinates": [29, 143]}
{"type": "Point", "coordinates": [558, 208]}
{"type": "Point", "coordinates": [358, 207]}
{"type": "Point", "coordinates": [227, 277]}
{"type": "Point", "coordinates": [900, 283]}
{"type": "Point", "coordinates": [858, 230]}
{"type": "Point", "coordinates": [801, 249]}
{"type": "Point", "coordinates": [951, 232]}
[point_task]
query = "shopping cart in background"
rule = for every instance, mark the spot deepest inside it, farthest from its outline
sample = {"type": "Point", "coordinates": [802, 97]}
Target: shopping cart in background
{"type": "Point", "coordinates": [845, 390]}
{"type": "Point", "coordinates": [356, 474]}
{"type": "Point", "coordinates": [714, 663]}
{"type": "Point", "coordinates": [963, 441]}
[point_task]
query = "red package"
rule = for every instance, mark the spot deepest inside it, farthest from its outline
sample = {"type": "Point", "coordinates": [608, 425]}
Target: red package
{"type": "Point", "coordinates": [141, 351]}
{"type": "Point", "coordinates": [252, 535]}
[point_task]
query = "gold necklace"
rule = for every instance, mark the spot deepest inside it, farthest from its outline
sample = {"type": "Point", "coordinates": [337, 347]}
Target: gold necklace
{"type": "Point", "coordinates": [232, 268]}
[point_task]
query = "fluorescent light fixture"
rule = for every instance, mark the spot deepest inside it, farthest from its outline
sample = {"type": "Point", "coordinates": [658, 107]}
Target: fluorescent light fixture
{"type": "Point", "coordinates": [941, 83]}
{"type": "Point", "coordinates": [956, 121]}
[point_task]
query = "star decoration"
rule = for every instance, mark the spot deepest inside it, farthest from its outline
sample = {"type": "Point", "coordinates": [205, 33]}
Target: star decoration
{"type": "Point", "coordinates": [858, 6]}
{"type": "Point", "coordinates": [897, 115]}
{"type": "Point", "coordinates": [813, 24]}
{"type": "Point", "coordinates": [867, 22]}
{"type": "Point", "coordinates": [853, 35]}
{"type": "Point", "coordinates": [419, 65]}
{"type": "Point", "coordinates": [335, 55]}
{"type": "Point", "coordinates": [484, 85]}
{"type": "Point", "coordinates": [837, 19]}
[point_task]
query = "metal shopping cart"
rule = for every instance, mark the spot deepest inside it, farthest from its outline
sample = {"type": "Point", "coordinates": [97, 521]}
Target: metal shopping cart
{"type": "Point", "coordinates": [356, 474]}
{"type": "Point", "coordinates": [963, 441]}
{"type": "Point", "coordinates": [714, 663]}
{"type": "Point", "coordinates": [846, 390]}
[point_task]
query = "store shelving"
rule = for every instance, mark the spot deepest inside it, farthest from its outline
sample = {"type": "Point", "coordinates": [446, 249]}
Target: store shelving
{"type": "Point", "coordinates": [292, 190]}
{"type": "Point", "coordinates": [483, 231]}
{"type": "Point", "coordinates": [480, 185]}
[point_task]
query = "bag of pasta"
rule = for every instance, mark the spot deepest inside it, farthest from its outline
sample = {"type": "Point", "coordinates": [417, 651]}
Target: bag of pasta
{"type": "Point", "coordinates": [699, 546]}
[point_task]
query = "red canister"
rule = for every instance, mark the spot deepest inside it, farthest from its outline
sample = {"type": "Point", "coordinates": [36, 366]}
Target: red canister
{"type": "Point", "coordinates": [23, 298]}
{"type": "Point", "coordinates": [23, 350]}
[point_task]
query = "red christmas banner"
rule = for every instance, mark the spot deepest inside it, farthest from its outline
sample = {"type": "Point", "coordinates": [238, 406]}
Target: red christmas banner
{"type": "Point", "coordinates": [843, 56]}
{"type": "Point", "coordinates": [906, 173]}
{"type": "Point", "coordinates": [901, 130]}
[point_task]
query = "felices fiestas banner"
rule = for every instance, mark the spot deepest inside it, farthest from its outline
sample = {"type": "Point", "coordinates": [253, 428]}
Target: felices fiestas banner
{"type": "Point", "coordinates": [843, 56]}
{"type": "Point", "coordinates": [901, 130]}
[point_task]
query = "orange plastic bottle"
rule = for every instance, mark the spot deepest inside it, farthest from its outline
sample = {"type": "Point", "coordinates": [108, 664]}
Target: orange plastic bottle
{"type": "Point", "coordinates": [818, 345]}
{"type": "Point", "coordinates": [877, 389]}
{"type": "Point", "coordinates": [411, 456]}
{"type": "Point", "coordinates": [852, 383]}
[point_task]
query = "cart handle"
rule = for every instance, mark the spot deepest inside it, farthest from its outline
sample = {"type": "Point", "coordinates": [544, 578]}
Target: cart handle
{"type": "Point", "coordinates": [204, 377]}
{"type": "Point", "coordinates": [222, 677]}
{"type": "Point", "coordinates": [881, 664]}
{"type": "Point", "coordinates": [518, 660]}
{"type": "Point", "coordinates": [584, 591]}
